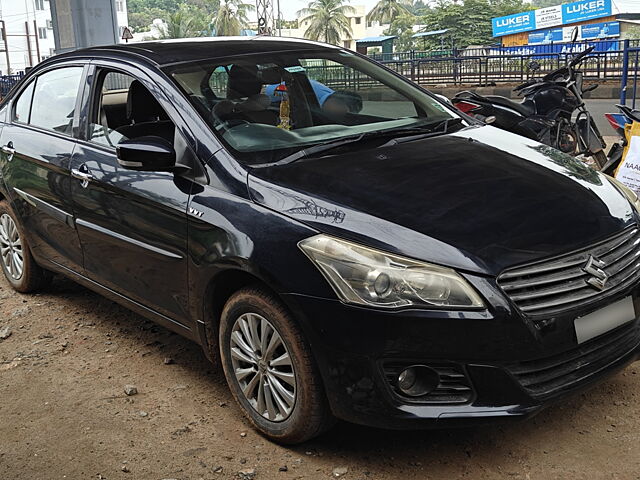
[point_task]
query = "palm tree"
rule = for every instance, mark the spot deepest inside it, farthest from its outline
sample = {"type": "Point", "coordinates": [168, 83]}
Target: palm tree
{"type": "Point", "coordinates": [386, 10]}
{"type": "Point", "coordinates": [183, 23]}
{"type": "Point", "coordinates": [328, 21]}
{"type": "Point", "coordinates": [231, 17]}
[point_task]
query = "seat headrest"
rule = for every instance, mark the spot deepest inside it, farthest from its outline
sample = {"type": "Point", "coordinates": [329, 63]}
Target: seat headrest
{"type": "Point", "coordinates": [243, 81]}
{"type": "Point", "coordinates": [271, 75]}
{"type": "Point", "coordinates": [142, 106]}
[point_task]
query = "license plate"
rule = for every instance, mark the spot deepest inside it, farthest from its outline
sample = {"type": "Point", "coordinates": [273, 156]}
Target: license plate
{"type": "Point", "coordinates": [604, 320]}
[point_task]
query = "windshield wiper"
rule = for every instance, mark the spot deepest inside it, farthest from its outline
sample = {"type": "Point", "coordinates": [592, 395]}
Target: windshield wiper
{"type": "Point", "coordinates": [441, 125]}
{"type": "Point", "coordinates": [440, 128]}
{"type": "Point", "coordinates": [314, 149]}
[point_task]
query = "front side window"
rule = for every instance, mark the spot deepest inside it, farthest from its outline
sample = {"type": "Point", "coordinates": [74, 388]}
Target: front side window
{"type": "Point", "coordinates": [23, 104]}
{"type": "Point", "coordinates": [266, 107]}
{"type": "Point", "coordinates": [54, 99]}
{"type": "Point", "coordinates": [124, 109]}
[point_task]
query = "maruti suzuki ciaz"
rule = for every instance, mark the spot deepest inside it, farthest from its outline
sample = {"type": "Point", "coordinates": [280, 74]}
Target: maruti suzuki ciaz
{"type": "Point", "coordinates": [344, 243]}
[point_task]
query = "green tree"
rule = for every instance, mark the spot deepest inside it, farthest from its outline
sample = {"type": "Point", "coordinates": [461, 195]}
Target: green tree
{"type": "Point", "coordinates": [137, 6]}
{"type": "Point", "coordinates": [231, 17]}
{"type": "Point", "coordinates": [402, 27]}
{"type": "Point", "coordinates": [185, 22]}
{"type": "Point", "coordinates": [546, 3]}
{"type": "Point", "coordinates": [386, 10]}
{"type": "Point", "coordinates": [469, 21]}
{"type": "Point", "coordinates": [141, 21]}
{"type": "Point", "coordinates": [328, 21]}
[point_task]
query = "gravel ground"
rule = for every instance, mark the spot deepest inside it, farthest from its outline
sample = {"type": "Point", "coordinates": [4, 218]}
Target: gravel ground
{"type": "Point", "coordinates": [69, 355]}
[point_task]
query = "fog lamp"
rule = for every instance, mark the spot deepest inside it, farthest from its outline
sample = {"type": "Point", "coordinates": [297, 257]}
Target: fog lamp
{"type": "Point", "coordinates": [418, 380]}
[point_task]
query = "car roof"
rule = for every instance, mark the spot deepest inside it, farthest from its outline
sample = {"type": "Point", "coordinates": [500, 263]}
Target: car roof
{"type": "Point", "coordinates": [165, 52]}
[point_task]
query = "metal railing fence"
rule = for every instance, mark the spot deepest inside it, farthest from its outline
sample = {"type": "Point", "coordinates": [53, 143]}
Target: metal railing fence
{"type": "Point", "coordinates": [630, 70]}
{"type": "Point", "coordinates": [7, 82]}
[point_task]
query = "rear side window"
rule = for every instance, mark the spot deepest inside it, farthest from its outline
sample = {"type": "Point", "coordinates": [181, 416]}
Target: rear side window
{"type": "Point", "coordinates": [54, 99]}
{"type": "Point", "coordinates": [23, 104]}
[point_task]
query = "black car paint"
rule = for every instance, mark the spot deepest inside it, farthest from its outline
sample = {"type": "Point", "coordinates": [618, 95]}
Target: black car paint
{"type": "Point", "coordinates": [478, 200]}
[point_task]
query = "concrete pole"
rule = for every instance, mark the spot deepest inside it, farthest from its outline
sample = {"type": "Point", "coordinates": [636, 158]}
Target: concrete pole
{"type": "Point", "coordinates": [6, 46]}
{"type": "Point", "coordinates": [26, 28]}
{"type": "Point", "coordinates": [35, 29]}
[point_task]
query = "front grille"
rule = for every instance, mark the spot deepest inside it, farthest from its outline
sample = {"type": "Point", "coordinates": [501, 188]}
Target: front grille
{"type": "Point", "coordinates": [547, 376]}
{"type": "Point", "coordinates": [561, 283]}
{"type": "Point", "coordinates": [455, 386]}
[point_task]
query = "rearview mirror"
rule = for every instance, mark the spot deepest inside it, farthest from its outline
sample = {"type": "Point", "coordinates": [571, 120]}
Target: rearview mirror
{"type": "Point", "coordinates": [574, 34]}
{"type": "Point", "coordinates": [146, 154]}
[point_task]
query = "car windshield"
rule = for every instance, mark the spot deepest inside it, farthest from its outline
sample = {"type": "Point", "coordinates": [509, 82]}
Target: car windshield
{"type": "Point", "coordinates": [268, 107]}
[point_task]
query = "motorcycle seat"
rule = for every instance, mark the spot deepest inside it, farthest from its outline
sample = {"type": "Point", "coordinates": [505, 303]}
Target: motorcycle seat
{"type": "Point", "coordinates": [525, 108]}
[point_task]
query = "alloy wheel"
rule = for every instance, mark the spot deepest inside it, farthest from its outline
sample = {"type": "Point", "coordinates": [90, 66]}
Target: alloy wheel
{"type": "Point", "coordinates": [11, 247]}
{"type": "Point", "coordinates": [262, 367]}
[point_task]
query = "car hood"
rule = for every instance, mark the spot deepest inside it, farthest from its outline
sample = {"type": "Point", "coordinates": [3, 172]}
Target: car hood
{"type": "Point", "coordinates": [479, 200]}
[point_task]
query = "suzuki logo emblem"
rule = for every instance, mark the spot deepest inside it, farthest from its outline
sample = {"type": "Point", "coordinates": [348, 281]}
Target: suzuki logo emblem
{"type": "Point", "coordinates": [594, 267]}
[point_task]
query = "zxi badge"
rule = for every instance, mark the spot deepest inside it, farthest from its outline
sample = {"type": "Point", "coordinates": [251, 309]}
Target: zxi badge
{"type": "Point", "coordinates": [594, 267]}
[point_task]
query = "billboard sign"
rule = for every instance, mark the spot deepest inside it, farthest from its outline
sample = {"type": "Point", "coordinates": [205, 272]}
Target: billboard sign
{"type": "Point", "coordinates": [518, 22]}
{"type": "Point", "coordinates": [543, 37]}
{"type": "Point", "coordinates": [599, 30]}
{"type": "Point", "coordinates": [558, 48]}
{"type": "Point", "coordinates": [594, 31]}
{"type": "Point", "coordinates": [551, 17]}
{"type": "Point", "coordinates": [585, 10]}
{"type": "Point", "coordinates": [548, 17]}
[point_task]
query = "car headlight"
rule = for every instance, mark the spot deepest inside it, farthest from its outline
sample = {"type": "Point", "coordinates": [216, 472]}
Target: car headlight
{"type": "Point", "coordinates": [627, 192]}
{"type": "Point", "coordinates": [365, 276]}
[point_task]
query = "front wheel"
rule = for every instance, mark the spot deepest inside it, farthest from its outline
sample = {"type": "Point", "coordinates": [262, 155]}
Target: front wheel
{"type": "Point", "coordinates": [269, 368]}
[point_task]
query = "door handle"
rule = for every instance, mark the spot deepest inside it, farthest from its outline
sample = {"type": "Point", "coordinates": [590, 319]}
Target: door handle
{"type": "Point", "coordinates": [9, 150]}
{"type": "Point", "coordinates": [86, 177]}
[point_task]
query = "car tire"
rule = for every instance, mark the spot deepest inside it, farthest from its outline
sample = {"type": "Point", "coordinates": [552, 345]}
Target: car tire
{"type": "Point", "coordinates": [18, 265]}
{"type": "Point", "coordinates": [242, 322]}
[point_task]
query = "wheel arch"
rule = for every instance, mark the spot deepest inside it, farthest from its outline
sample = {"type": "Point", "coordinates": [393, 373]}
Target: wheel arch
{"type": "Point", "coordinates": [216, 294]}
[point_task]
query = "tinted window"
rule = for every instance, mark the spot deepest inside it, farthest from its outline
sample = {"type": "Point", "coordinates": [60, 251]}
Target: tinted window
{"type": "Point", "coordinates": [23, 105]}
{"type": "Point", "coordinates": [124, 109]}
{"type": "Point", "coordinates": [266, 107]}
{"type": "Point", "coordinates": [54, 99]}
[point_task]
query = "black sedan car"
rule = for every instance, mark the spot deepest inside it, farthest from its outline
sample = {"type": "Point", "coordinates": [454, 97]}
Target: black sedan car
{"type": "Point", "coordinates": [344, 243]}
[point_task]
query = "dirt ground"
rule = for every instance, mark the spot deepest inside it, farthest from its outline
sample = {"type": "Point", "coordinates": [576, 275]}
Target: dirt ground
{"type": "Point", "coordinates": [64, 414]}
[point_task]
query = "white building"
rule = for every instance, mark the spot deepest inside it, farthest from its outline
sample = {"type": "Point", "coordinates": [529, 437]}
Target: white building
{"type": "Point", "coordinates": [27, 35]}
{"type": "Point", "coordinates": [123, 18]}
{"type": "Point", "coordinates": [28, 32]}
{"type": "Point", "coordinates": [359, 27]}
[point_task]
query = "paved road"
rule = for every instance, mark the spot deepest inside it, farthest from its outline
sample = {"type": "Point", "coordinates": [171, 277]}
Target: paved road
{"type": "Point", "coordinates": [598, 108]}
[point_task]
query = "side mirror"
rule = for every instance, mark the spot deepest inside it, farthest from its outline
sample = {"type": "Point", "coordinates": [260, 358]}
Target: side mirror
{"type": "Point", "coordinates": [443, 99]}
{"type": "Point", "coordinates": [533, 65]}
{"type": "Point", "coordinates": [146, 154]}
{"type": "Point", "coordinates": [574, 34]}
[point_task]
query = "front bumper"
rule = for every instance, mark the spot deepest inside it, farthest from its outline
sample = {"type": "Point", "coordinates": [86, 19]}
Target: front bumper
{"type": "Point", "coordinates": [514, 368]}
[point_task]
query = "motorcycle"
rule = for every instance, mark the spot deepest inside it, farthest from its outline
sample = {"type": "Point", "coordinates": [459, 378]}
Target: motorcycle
{"type": "Point", "coordinates": [618, 122]}
{"type": "Point", "coordinates": [552, 111]}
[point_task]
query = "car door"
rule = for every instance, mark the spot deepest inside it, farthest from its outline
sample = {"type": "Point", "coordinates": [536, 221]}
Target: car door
{"type": "Point", "coordinates": [36, 147]}
{"type": "Point", "coordinates": [132, 224]}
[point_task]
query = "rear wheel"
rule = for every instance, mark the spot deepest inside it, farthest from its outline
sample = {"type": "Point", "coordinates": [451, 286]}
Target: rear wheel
{"type": "Point", "coordinates": [269, 368]}
{"type": "Point", "coordinates": [18, 265]}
